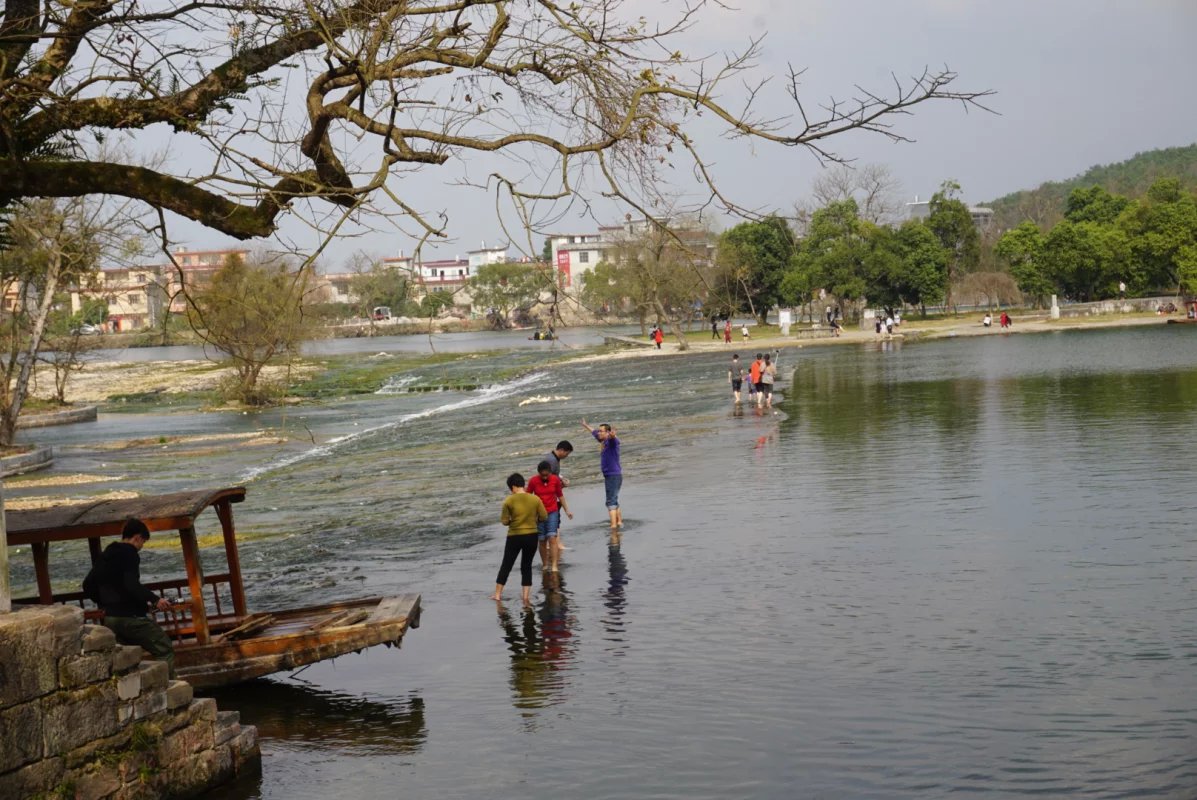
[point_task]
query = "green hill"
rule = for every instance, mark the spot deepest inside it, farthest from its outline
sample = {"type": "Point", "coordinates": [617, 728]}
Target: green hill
{"type": "Point", "coordinates": [1045, 205]}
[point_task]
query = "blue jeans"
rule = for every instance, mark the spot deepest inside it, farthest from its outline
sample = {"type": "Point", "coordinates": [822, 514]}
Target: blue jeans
{"type": "Point", "coordinates": [548, 529]}
{"type": "Point", "coordinates": [612, 483]}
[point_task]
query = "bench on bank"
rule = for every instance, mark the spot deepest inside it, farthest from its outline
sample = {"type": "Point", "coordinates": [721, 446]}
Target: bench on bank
{"type": "Point", "coordinates": [812, 332]}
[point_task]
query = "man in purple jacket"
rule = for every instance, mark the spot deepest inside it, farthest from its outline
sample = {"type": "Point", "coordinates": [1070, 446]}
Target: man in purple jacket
{"type": "Point", "coordinates": [612, 473]}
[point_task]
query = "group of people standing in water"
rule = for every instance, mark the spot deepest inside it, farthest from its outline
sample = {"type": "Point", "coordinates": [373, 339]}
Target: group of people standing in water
{"type": "Point", "coordinates": [532, 509]}
{"type": "Point", "coordinates": [761, 375]}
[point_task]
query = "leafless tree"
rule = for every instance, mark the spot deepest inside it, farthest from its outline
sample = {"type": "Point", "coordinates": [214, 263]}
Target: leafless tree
{"type": "Point", "coordinates": [53, 245]}
{"type": "Point", "coordinates": [873, 187]}
{"type": "Point", "coordinates": [385, 87]}
{"type": "Point", "coordinates": [988, 289]}
{"type": "Point", "coordinates": [65, 353]}
{"type": "Point", "coordinates": [661, 270]}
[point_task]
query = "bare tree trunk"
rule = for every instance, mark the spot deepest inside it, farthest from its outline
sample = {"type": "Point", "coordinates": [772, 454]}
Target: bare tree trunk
{"type": "Point", "coordinates": [17, 398]}
{"type": "Point", "coordinates": [748, 295]}
{"type": "Point", "coordinates": [674, 328]}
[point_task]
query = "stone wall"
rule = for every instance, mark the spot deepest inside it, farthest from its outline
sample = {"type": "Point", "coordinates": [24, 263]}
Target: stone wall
{"type": "Point", "coordinates": [83, 717]}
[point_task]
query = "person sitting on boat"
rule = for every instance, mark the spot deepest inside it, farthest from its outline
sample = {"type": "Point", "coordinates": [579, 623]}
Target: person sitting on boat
{"type": "Point", "coordinates": [114, 583]}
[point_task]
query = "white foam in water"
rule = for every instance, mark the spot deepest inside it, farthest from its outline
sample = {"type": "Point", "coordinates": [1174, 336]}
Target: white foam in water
{"type": "Point", "coordinates": [486, 395]}
{"type": "Point", "coordinates": [395, 386]}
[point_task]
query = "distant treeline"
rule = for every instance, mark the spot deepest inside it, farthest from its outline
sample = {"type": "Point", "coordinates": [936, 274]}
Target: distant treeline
{"type": "Point", "coordinates": [1046, 205]}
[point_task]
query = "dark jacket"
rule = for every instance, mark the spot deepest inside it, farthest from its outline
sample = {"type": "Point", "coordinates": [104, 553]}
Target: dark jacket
{"type": "Point", "coordinates": [118, 582]}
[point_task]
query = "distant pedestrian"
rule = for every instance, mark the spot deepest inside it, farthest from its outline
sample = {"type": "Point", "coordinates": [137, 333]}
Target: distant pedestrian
{"type": "Point", "coordinates": [987, 320]}
{"type": "Point", "coordinates": [609, 464]}
{"type": "Point", "coordinates": [735, 376]}
{"type": "Point", "coordinates": [727, 332]}
{"type": "Point", "coordinates": [744, 331]}
{"type": "Point", "coordinates": [889, 325]}
{"type": "Point", "coordinates": [714, 328]}
{"type": "Point", "coordinates": [521, 513]}
{"type": "Point", "coordinates": [658, 337]}
{"type": "Point", "coordinates": [877, 325]}
{"type": "Point", "coordinates": [1004, 320]}
{"type": "Point", "coordinates": [897, 319]}
{"type": "Point", "coordinates": [829, 315]}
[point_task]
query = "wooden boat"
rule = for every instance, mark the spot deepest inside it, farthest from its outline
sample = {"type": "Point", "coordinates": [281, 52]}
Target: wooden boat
{"type": "Point", "coordinates": [218, 641]}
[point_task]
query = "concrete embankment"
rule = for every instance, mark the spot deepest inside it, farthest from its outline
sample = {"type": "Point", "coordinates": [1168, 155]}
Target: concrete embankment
{"type": "Point", "coordinates": [67, 416]}
{"type": "Point", "coordinates": [35, 459]}
{"type": "Point", "coordinates": [83, 717]}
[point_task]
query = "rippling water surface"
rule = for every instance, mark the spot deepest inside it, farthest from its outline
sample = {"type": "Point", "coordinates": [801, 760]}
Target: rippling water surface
{"type": "Point", "coordinates": [962, 567]}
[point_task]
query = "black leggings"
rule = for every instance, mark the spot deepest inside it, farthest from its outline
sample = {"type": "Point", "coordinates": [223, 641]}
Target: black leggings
{"type": "Point", "coordinates": [524, 545]}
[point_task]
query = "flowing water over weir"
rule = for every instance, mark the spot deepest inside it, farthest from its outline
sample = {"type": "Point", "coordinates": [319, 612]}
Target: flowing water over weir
{"type": "Point", "coordinates": [961, 567]}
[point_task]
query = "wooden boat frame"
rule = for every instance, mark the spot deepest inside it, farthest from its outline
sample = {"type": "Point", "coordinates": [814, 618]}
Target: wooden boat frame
{"type": "Point", "coordinates": [220, 642]}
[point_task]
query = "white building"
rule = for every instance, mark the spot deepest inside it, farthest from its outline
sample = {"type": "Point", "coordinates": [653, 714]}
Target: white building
{"type": "Point", "coordinates": [576, 253]}
{"type": "Point", "coordinates": [921, 209]}
{"type": "Point", "coordinates": [485, 256]}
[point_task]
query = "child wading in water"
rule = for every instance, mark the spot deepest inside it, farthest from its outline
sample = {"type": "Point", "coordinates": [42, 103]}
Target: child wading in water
{"type": "Point", "coordinates": [521, 513]}
{"type": "Point", "coordinates": [549, 488]}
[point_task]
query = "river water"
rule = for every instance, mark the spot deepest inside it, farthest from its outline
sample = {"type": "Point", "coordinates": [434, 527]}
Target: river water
{"type": "Point", "coordinates": [959, 567]}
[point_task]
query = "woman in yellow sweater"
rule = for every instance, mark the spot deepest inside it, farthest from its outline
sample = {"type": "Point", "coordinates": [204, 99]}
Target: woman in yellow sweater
{"type": "Point", "coordinates": [520, 513]}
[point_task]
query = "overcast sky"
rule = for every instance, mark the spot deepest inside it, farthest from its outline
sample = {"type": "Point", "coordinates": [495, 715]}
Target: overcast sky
{"type": "Point", "coordinates": [1078, 82]}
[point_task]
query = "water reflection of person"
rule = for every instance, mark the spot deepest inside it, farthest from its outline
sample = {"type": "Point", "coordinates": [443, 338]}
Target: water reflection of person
{"type": "Point", "coordinates": [614, 597]}
{"type": "Point", "coordinates": [556, 629]}
{"type": "Point", "coordinates": [527, 667]}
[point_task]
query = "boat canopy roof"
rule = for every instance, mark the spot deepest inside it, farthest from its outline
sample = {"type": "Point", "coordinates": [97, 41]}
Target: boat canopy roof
{"type": "Point", "coordinates": [163, 512]}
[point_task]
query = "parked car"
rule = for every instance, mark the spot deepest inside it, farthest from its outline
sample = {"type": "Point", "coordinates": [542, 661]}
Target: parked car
{"type": "Point", "coordinates": [381, 313]}
{"type": "Point", "coordinates": [86, 329]}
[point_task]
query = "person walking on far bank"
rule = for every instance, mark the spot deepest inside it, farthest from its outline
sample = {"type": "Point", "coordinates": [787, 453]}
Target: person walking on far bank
{"type": "Point", "coordinates": [658, 337]}
{"type": "Point", "coordinates": [114, 584]}
{"type": "Point", "coordinates": [727, 332]}
{"type": "Point", "coordinates": [714, 329]}
{"type": "Point", "coordinates": [522, 513]}
{"type": "Point", "coordinates": [744, 331]}
{"type": "Point", "coordinates": [735, 376]}
{"type": "Point", "coordinates": [611, 469]}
